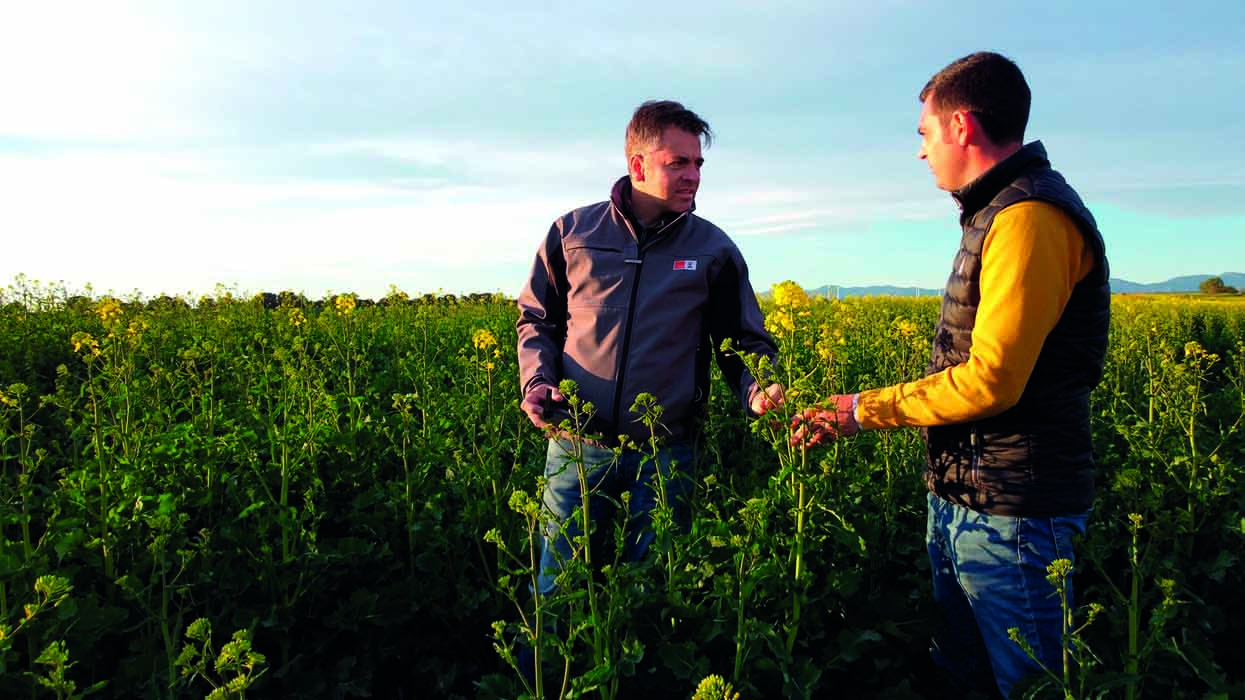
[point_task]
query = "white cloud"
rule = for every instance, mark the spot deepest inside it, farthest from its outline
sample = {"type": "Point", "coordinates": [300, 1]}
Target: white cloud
{"type": "Point", "coordinates": [90, 70]}
{"type": "Point", "coordinates": [171, 223]}
{"type": "Point", "coordinates": [489, 159]}
{"type": "Point", "coordinates": [745, 211]}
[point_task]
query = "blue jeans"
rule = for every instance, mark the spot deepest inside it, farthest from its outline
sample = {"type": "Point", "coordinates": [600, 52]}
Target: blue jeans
{"type": "Point", "coordinates": [990, 575]}
{"type": "Point", "coordinates": [608, 475]}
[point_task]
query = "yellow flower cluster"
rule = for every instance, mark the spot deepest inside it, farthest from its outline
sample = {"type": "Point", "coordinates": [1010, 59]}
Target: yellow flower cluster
{"type": "Point", "coordinates": [828, 339]}
{"type": "Point", "coordinates": [85, 342]}
{"type": "Point", "coordinates": [1194, 352]}
{"type": "Point", "coordinates": [10, 399]}
{"type": "Point", "coordinates": [109, 310]}
{"type": "Point", "coordinates": [780, 322]}
{"type": "Point", "coordinates": [345, 304]}
{"type": "Point", "coordinates": [297, 319]}
{"type": "Point", "coordinates": [715, 688]}
{"type": "Point", "coordinates": [483, 339]}
{"type": "Point", "coordinates": [904, 328]}
{"type": "Point", "coordinates": [396, 295]}
{"type": "Point", "coordinates": [788, 294]}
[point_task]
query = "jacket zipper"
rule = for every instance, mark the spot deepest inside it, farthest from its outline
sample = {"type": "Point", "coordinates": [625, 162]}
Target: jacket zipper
{"type": "Point", "coordinates": [638, 261]}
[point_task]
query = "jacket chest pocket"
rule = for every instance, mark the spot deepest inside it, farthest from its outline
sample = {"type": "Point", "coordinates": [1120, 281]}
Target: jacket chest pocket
{"type": "Point", "coordinates": [597, 275]}
{"type": "Point", "coordinates": [675, 279]}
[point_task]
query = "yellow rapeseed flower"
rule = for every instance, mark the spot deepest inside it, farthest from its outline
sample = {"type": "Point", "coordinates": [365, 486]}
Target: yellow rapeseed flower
{"type": "Point", "coordinates": [904, 328]}
{"type": "Point", "coordinates": [297, 319]}
{"type": "Point", "coordinates": [714, 687]}
{"type": "Point", "coordinates": [1193, 350]}
{"type": "Point", "coordinates": [790, 294]}
{"type": "Point", "coordinates": [483, 339]}
{"type": "Point", "coordinates": [396, 295]}
{"type": "Point", "coordinates": [780, 322]}
{"type": "Point", "coordinates": [108, 309]}
{"type": "Point", "coordinates": [84, 342]}
{"type": "Point", "coordinates": [345, 304]}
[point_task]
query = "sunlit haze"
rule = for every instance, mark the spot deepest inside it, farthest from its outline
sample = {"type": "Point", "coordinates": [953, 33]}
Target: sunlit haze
{"type": "Point", "coordinates": [168, 147]}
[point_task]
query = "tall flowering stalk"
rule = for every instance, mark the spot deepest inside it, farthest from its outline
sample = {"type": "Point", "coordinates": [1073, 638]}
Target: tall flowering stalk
{"type": "Point", "coordinates": [789, 321]}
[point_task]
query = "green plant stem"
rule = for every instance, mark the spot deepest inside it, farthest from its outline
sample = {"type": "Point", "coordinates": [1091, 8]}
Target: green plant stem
{"type": "Point", "coordinates": [538, 615]}
{"type": "Point", "coordinates": [97, 439]}
{"type": "Point", "coordinates": [284, 500]}
{"type": "Point", "coordinates": [1065, 638]}
{"type": "Point", "coordinates": [598, 629]}
{"type": "Point", "coordinates": [170, 653]}
{"type": "Point", "coordinates": [1134, 620]}
{"type": "Point", "coordinates": [409, 493]}
{"type": "Point", "coordinates": [797, 588]}
{"type": "Point", "coordinates": [739, 620]}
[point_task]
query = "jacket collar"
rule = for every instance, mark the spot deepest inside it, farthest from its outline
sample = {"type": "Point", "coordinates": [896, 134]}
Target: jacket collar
{"type": "Point", "coordinates": [620, 197]}
{"type": "Point", "coordinates": [978, 193]}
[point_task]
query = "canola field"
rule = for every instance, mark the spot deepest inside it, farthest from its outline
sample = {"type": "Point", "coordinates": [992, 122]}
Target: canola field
{"type": "Point", "coordinates": [276, 498]}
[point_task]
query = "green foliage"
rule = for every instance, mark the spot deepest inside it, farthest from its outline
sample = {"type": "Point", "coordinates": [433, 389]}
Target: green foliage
{"type": "Point", "coordinates": [1215, 285]}
{"type": "Point", "coordinates": [354, 487]}
{"type": "Point", "coordinates": [231, 672]}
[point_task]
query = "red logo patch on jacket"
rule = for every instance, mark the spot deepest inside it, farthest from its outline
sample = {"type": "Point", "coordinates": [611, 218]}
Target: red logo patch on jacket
{"type": "Point", "coordinates": [685, 264]}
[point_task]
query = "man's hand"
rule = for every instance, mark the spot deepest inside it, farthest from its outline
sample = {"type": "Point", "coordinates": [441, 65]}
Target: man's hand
{"type": "Point", "coordinates": [817, 425]}
{"type": "Point", "coordinates": [539, 401]}
{"type": "Point", "coordinates": [763, 401]}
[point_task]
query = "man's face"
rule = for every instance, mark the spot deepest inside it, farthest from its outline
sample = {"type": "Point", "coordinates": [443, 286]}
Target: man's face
{"type": "Point", "coordinates": [670, 171]}
{"type": "Point", "coordinates": [939, 149]}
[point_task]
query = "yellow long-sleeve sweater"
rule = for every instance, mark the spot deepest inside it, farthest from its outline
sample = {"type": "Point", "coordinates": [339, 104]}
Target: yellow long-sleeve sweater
{"type": "Point", "coordinates": [1032, 257]}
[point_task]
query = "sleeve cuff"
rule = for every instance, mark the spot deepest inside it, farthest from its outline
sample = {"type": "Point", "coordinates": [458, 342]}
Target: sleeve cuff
{"type": "Point", "coordinates": [749, 391]}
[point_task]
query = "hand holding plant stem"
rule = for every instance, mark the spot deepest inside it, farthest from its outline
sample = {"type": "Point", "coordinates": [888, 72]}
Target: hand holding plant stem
{"type": "Point", "coordinates": [837, 419]}
{"type": "Point", "coordinates": [763, 401]}
{"type": "Point", "coordinates": [540, 404]}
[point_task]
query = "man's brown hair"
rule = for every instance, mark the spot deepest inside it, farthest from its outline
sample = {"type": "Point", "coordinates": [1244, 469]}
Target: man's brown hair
{"type": "Point", "coordinates": [652, 118]}
{"type": "Point", "coordinates": [990, 86]}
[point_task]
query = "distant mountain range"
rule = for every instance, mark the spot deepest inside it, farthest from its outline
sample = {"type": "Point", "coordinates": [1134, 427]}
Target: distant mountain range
{"type": "Point", "coordinates": [837, 292]}
{"type": "Point", "coordinates": [1187, 283]}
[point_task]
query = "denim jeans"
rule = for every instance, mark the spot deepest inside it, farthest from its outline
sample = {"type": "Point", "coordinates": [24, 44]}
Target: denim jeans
{"type": "Point", "coordinates": [990, 575]}
{"type": "Point", "coordinates": [608, 475]}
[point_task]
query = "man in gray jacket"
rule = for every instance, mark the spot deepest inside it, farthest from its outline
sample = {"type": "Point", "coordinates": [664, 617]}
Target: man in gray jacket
{"type": "Point", "coordinates": [630, 296]}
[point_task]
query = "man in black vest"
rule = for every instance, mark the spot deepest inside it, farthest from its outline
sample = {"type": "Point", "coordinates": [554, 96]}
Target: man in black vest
{"type": "Point", "coordinates": [1004, 404]}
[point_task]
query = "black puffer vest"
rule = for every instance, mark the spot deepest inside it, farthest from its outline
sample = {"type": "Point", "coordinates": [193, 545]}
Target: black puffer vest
{"type": "Point", "coordinates": [1036, 458]}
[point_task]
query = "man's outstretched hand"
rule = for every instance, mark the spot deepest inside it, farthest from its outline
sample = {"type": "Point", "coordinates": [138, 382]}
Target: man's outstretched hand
{"type": "Point", "coordinates": [816, 425]}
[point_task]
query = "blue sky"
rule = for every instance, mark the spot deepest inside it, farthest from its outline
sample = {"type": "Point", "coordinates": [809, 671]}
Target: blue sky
{"type": "Point", "coordinates": [349, 146]}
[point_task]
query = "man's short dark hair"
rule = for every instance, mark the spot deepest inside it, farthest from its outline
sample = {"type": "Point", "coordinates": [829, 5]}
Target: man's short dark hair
{"type": "Point", "coordinates": [652, 118]}
{"type": "Point", "coordinates": [990, 86]}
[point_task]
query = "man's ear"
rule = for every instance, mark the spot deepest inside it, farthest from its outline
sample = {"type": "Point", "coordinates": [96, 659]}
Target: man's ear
{"type": "Point", "coordinates": [635, 167]}
{"type": "Point", "coordinates": [964, 127]}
